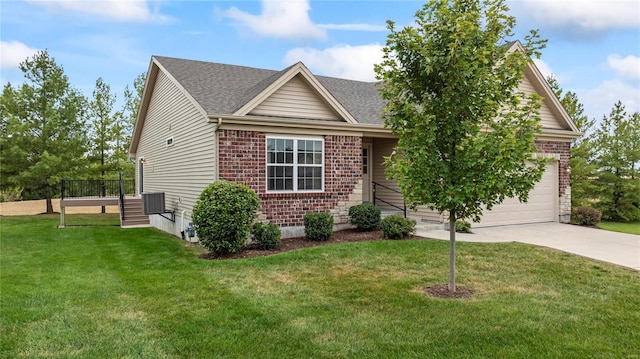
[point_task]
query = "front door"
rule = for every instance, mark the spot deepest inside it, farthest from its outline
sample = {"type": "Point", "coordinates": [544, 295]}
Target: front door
{"type": "Point", "coordinates": [366, 172]}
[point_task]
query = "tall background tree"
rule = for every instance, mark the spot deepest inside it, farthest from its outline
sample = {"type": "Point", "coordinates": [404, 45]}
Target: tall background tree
{"type": "Point", "coordinates": [105, 132]}
{"type": "Point", "coordinates": [43, 129]}
{"type": "Point", "coordinates": [583, 169]}
{"type": "Point", "coordinates": [465, 134]}
{"type": "Point", "coordinates": [617, 157]}
{"type": "Point", "coordinates": [132, 98]}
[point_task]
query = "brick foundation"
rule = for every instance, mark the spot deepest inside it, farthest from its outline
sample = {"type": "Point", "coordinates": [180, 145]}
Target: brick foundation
{"type": "Point", "coordinates": [242, 158]}
{"type": "Point", "coordinates": [562, 151]}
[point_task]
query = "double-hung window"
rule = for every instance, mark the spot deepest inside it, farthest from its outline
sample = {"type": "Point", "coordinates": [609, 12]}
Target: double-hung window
{"type": "Point", "coordinates": [295, 164]}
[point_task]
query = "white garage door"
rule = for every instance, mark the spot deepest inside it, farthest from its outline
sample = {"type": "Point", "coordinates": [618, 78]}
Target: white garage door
{"type": "Point", "coordinates": [542, 205]}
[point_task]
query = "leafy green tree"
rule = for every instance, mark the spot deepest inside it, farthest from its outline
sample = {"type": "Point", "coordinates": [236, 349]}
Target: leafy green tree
{"type": "Point", "coordinates": [617, 157]}
{"type": "Point", "coordinates": [465, 134]}
{"type": "Point", "coordinates": [583, 168]}
{"type": "Point", "coordinates": [43, 130]}
{"type": "Point", "coordinates": [132, 99]}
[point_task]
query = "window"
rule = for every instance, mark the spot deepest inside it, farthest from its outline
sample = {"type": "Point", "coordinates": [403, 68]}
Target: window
{"type": "Point", "coordinates": [365, 161]}
{"type": "Point", "coordinates": [295, 164]}
{"type": "Point", "coordinates": [169, 142]}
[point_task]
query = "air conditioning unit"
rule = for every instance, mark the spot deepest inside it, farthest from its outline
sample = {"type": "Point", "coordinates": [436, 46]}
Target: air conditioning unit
{"type": "Point", "coordinates": [153, 202]}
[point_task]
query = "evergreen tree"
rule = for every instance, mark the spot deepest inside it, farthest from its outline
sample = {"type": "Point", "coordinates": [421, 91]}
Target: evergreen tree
{"type": "Point", "coordinates": [43, 130]}
{"type": "Point", "coordinates": [617, 157]}
{"type": "Point", "coordinates": [132, 98]}
{"type": "Point", "coordinates": [104, 132]}
{"type": "Point", "coordinates": [583, 169]}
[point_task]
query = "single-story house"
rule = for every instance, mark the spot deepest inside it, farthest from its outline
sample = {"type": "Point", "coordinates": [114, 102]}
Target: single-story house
{"type": "Point", "coordinates": [302, 142]}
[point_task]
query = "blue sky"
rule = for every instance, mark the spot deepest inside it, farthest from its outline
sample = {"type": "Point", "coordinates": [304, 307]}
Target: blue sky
{"type": "Point", "coordinates": [593, 48]}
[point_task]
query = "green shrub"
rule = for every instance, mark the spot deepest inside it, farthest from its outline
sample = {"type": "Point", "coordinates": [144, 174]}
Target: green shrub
{"type": "Point", "coordinates": [463, 227]}
{"type": "Point", "coordinates": [10, 194]}
{"type": "Point", "coordinates": [318, 226]}
{"type": "Point", "coordinates": [365, 216]}
{"type": "Point", "coordinates": [586, 216]}
{"type": "Point", "coordinates": [397, 227]}
{"type": "Point", "coordinates": [223, 216]}
{"type": "Point", "coordinates": [266, 235]}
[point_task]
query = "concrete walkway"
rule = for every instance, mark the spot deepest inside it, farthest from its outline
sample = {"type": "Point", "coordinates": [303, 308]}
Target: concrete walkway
{"type": "Point", "coordinates": [613, 247]}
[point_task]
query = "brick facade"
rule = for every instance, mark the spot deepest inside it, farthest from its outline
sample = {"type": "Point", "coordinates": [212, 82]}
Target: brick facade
{"type": "Point", "coordinates": [562, 152]}
{"type": "Point", "coordinates": [242, 158]}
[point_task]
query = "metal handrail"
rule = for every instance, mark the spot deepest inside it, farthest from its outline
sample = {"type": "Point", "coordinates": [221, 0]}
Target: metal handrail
{"type": "Point", "coordinates": [404, 204]}
{"type": "Point", "coordinates": [122, 199]}
{"type": "Point", "coordinates": [98, 188]}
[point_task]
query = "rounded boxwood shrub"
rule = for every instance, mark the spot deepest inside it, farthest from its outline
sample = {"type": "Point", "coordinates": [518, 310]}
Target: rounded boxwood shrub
{"type": "Point", "coordinates": [365, 216]}
{"type": "Point", "coordinates": [586, 216]}
{"type": "Point", "coordinates": [266, 235]}
{"type": "Point", "coordinates": [397, 227]}
{"type": "Point", "coordinates": [318, 226]}
{"type": "Point", "coordinates": [463, 227]}
{"type": "Point", "coordinates": [223, 216]}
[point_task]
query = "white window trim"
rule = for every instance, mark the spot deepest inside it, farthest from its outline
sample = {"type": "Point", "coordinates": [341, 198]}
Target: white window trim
{"type": "Point", "coordinates": [295, 162]}
{"type": "Point", "coordinates": [166, 142]}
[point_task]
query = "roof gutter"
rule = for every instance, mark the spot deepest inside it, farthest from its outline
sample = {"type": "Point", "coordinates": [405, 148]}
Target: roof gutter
{"type": "Point", "coordinates": [282, 123]}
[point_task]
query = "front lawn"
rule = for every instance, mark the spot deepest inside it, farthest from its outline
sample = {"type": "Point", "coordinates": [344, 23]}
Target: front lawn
{"type": "Point", "coordinates": [632, 227]}
{"type": "Point", "coordinates": [107, 292]}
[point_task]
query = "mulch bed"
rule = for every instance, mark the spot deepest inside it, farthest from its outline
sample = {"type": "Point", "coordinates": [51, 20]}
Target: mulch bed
{"type": "Point", "coordinates": [442, 291]}
{"type": "Point", "coordinates": [289, 244]}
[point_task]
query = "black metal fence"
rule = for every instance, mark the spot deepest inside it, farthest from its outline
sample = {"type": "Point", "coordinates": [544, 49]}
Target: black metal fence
{"type": "Point", "coordinates": [97, 188]}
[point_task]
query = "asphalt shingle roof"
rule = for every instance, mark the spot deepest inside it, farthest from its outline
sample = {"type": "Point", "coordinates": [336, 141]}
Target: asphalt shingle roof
{"type": "Point", "coordinates": [223, 89]}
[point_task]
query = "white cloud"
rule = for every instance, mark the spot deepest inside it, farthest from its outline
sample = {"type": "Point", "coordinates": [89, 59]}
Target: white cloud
{"type": "Point", "coordinates": [118, 10]}
{"type": "Point", "coordinates": [285, 19]}
{"type": "Point", "coordinates": [344, 61]}
{"type": "Point", "coordinates": [12, 53]}
{"type": "Point", "coordinates": [628, 67]}
{"type": "Point", "coordinates": [547, 71]}
{"type": "Point", "coordinates": [544, 68]}
{"type": "Point", "coordinates": [580, 17]}
{"type": "Point", "coordinates": [600, 100]}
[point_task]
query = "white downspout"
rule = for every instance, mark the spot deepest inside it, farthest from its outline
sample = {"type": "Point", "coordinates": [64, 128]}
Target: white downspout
{"type": "Point", "coordinates": [182, 225]}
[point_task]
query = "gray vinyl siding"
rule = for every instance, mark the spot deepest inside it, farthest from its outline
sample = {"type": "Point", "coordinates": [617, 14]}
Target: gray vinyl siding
{"type": "Point", "coordinates": [547, 118]}
{"type": "Point", "coordinates": [296, 99]}
{"type": "Point", "coordinates": [183, 169]}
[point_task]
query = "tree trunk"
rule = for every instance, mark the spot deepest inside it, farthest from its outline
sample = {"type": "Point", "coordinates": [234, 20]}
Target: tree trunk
{"type": "Point", "coordinates": [452, 252]}
{"type": "Point", "coordinates": [48, 197]}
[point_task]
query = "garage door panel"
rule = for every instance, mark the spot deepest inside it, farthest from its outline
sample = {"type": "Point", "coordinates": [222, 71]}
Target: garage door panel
{"type": "Point", "coordinates": [541, 207]}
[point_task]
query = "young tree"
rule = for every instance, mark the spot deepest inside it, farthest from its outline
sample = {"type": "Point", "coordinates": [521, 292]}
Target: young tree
{"type": "Point", "coordinates": [43, 129]}
{"type": "Point", "coordinates": [617, 157]}
{"type": "Point", "coordinates": [465, 134]}
{"type": "Point", "coordinates": [583, 187]}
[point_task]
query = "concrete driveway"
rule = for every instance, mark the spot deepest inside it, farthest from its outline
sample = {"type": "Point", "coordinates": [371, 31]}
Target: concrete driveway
{"type": "Point", "coordinates": [617, 248]}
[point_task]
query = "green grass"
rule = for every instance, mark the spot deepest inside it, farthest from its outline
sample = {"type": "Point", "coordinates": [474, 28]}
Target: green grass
{"type": "Point", "coordinates": [631, 227]}
{"type": "Point", "coordinates": [107, 292]}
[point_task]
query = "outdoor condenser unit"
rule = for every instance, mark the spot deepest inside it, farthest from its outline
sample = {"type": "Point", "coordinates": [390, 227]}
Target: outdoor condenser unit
{"type": "Point", "coordinates": [153, 203]}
